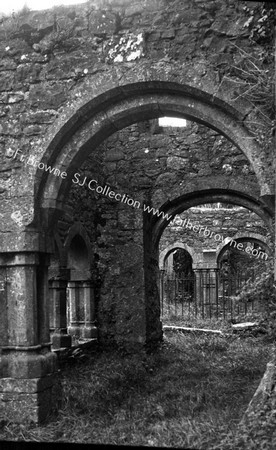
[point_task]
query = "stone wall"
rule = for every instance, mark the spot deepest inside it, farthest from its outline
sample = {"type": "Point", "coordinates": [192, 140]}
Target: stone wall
{"type": "Point", "coordinates": [152, 164]}
{"type": "Point", "coordinates": [48, 57]}
{"type": "Point", "coordinates": [54, 63]}
{"type": "Point", "coordinates": [159, 162]}
{"type": "Point", "coordinates": [222, 221]}
{"type": "Point", "coordinates": [70, 79]}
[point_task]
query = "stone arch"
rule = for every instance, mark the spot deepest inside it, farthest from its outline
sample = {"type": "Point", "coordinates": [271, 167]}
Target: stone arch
{"type": "Point", "coordinates": [60, 248]}
{"type": "Point", "coordinates": [78, 252]}
{"type": "Point", "coordinates": [186, 201]}
{"type": "Point", "coordinates": [81, 302]}
{"type": "Point", "coordinates": [57, 257]}
{"type": "Point", "coordinates": [113, 109]}
{"type": "Point", "coordinates": [172, 247]}
{"type": "Point", "coordinates": [119, 107]}
{"type": "Point", "coordinates": [244, 236]}
{"type": "Point", "coordinates": [77, 229]}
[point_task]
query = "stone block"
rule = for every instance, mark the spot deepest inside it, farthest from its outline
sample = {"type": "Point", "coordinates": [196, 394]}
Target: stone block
{"type": "Point", "coordinates": [7, 64]}
{"type": "Point", "coordinates": [39, 117]}
{"type": "Point", "coordinates": [61, 340]}
{"type": "Point", "coordinates": [89, 332]}
{"type": "Point", "coordinates": [168, 34]}
{"type": "Point", "coordinates": [16, 97]}
{"type": "Point", "coordinates": [47, 97]}
{"type": "Point", "coordinates": [27, 365]}
{"type": "Point", "coordinates": [104, 22]}
{"type": "Point", "coordinates": [166, 179]}
{"type": "Point", "coordinates": [134, 10]}
{"type": "Point", "coordinates": [177, 163]}
{"type": "Point", "coordinates": [162, 152]}
{"type": "Point", "coordinates": [28, 73]}
{"type": "Point", "coordinates": [114, 155]}
{"type": "Point", "coordinates": [192, 139]}
{"type": "Point", "coordinates": [182, 152]}
{"type": "Point", "coordinates": [159, 141]}
{"type": "Point", "coordinates": [33, 129]}
{"type": "Point", "coordinates": [6, 81]}
{"type": "Point", "coordinates": [155, 36]}
{"type": "Point", "coordinates": [25, 408]}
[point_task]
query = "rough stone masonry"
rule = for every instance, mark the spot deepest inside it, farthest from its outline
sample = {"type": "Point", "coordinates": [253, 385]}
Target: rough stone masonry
{"type": "Point", "coordinates": [81, 88]}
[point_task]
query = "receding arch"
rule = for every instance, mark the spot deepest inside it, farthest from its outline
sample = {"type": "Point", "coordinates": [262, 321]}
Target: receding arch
{"type": "Point", "coordinates": [243, 237]}
{"type": "Point", "coordinates": [122, 106]}
{"type": "Point", "coordinates": [78, 252]}
{"type": "Point", "coordinates": [57, 257]}
{"type": "Point", "coordinates": [186, 201]}
{"type": "Point", "coordinates": [60, 249]}
{"type": "Point", "coordinates": [173, 247]}
{"type": "Point", "coordinates": [78, 230]}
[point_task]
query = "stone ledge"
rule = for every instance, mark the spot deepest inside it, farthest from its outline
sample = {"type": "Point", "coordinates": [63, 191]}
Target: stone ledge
{"type": "Point", "coordinates": [192, 330]}
{"type": "Point", "coordinates": [263, 392]}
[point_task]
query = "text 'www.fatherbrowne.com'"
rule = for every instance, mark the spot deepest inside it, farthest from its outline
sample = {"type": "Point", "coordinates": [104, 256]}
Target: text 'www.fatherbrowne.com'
{"type": "Point", "coordinates": [123, 198]}
{"type": "Point", "coordinates": [92, 185]}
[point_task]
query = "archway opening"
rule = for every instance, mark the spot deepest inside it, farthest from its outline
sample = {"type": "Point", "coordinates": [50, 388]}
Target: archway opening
{"type": "Point", "coordinates": [106, 116]}
{"type": "Point", "coordinates": [118, 108]}
{"type": "Point", "coordinates": [231, 245]}
{"type": "Point", "coordinates": [78, 261]}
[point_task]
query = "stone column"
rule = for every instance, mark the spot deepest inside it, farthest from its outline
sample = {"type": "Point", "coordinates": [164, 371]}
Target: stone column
{"type": "Point", "coordinates": [58, 311]}
{"type": "Point", "coordinates": [28, 388]}
{"type": "Point", "coordinates": [170, 264]}
{"type": "Point", "coordinates": [161, 290]}
{"type": "Point", "coordinates": [150, 266]}
{"type": "Point", "coordinates": [76, 308]}
{"type": "Point", "coordinates": [89, 330]}
{"type": "Point", "coordinates": [198, 296]}
{"type": "Point", "coordinates": [81, 309]}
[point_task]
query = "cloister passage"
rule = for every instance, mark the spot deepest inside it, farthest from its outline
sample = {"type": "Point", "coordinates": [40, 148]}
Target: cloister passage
{"type": "Point", "coordinates": [128, 303]}
{"type": "Point", "coordinates": [114, 110]}
{"type": "Point", "coordinates": [120, 107]}
{"type": "Point", "coordinates": [204, 283]}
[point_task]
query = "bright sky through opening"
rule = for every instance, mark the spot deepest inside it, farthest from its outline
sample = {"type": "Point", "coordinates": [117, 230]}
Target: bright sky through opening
{"type": "Point", "coordinates": [172, 122]}
{"type": "Point", "coordinates": [7, 7]}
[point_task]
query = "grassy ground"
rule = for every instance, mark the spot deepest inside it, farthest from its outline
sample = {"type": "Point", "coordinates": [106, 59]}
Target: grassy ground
{"type": "Point", "coordinates": [191, 392]}
{"type": "Point", "coordinates": [257, 433]}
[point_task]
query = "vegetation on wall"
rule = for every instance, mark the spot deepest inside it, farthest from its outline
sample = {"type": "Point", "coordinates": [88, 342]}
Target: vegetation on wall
{"type": "Point", "coordinates": [263, 290]}
{"type": "Point", "coordinates": [255, 70]}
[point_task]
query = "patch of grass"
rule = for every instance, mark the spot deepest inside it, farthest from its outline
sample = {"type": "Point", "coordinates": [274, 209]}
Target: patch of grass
{"type": "Point", "coordinates": [190, 392]}
{"type": "Point", "coordinates": [255, 433]}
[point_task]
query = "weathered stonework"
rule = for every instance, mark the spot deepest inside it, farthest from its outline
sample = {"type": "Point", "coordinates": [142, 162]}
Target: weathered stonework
{"type": "Point", "coordinates": [137, 161]}
{"type": "Point", "coordinates": [73, 82]}
{"type": "Point", "coordinates": [221, 221]}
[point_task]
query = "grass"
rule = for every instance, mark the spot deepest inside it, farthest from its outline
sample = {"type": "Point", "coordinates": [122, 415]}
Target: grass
{"type": "Point", "coordinates": [190, 392]}
{"type": "Point", "coordinates": [258, 433]}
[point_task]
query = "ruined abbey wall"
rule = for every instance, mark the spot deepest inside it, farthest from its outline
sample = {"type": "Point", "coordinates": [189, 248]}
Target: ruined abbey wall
{"type": "Point", "coordinates": [54, 63]}
{"type": "Point", "coordinates": [221, 221]}
{"type": "Point", "coordinates": [81, 89]}
{"type": "Point", "coordinates": [50, 62]}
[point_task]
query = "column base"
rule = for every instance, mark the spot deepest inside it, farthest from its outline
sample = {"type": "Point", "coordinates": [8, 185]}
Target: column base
{"type": "Point", "coordinates": [29, 387]}
{"type": "Point", "coordinates": [74, 330]}
{"type": "Point", "coordinates": [29, 400]}
{"type": "Point", "coordinates": [89, 332]}
{"type": "Point", "coordinates": [60, 340]}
